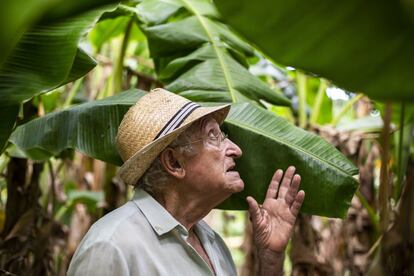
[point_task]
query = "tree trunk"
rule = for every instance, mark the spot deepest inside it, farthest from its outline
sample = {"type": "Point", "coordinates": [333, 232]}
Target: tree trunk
{"type": "Point", "coordinates": [25, 236]}
{"type": "Point", "coordinates": [397, 252]}
{"type": "Point", "coordinates": [305, 250]}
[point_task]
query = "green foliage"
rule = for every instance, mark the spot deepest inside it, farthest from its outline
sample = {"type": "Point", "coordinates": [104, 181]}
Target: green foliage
{"type": "Point", "coordinates": [198, 56]}
{"type": "Point", "coordinates": [90, 128]}
{"type": "Point", "coordinates": [113, 24]}
{"type": "Point", "coordinates": [402, 112]}
{"type": "Point", "coordinates": [16, 16]}
{"type": "Point", "coordinates": [91, 199]}
{"type": "Point", "coordinates": [269, 142]}
{"type": "Point", "coordinates": [45, 57]}
{"type": "Point", "coordinates": [107, 29]}
{"type": "Point", "coordinates": [360, 45]}
{"type": "Point", "coordinates": [363, 46]}
{"type": "Point", "coordinates": [319, 103]}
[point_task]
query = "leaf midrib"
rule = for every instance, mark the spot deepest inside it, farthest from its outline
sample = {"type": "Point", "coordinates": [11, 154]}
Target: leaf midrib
{"type": "Point", "coordinates": [259, 131]}
{"type": "Point", "coordinates": [220, 57]}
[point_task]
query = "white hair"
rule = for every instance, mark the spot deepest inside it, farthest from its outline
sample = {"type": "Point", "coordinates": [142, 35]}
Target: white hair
{"type": "Point", "coordinates": [156, 178]}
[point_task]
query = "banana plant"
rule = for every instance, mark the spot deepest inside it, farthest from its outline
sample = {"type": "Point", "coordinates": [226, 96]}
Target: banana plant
{"type": "Point", "coordinates": [195, 55]}
{"type": "Point", "coordinates": [45, 57]}
{"type": "Point", "coordinates": [268, 141]}
{"type": "Point", "coordinates": [21, 15]}
{"type": "Point", "coordinates": [199, 57]}
{"type": "Point", "coordinates": [361, 45]}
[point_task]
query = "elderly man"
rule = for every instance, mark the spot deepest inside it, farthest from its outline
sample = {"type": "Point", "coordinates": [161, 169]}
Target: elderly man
{"type": "Point", "coordinates": [182, 166]}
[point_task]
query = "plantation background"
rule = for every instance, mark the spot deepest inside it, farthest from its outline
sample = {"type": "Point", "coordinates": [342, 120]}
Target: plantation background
{"type": "Point", "coordinates": [329, 75]}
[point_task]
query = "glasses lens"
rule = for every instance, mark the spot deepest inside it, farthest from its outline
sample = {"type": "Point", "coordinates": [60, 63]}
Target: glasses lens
{"type": "Point", "coordinates": [220, 138]}
{"type": "Point", "coordinates": [215, 137]}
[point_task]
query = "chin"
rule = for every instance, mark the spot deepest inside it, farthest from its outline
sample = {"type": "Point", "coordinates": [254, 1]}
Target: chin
{"type": "Point", "coordinates": [237, 186]}
{"type": "Point", "coordinates": [241, 186]}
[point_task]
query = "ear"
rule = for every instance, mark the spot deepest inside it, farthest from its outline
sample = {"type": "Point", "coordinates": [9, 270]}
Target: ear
{"type": "Point", "coordinates": [172, 163]}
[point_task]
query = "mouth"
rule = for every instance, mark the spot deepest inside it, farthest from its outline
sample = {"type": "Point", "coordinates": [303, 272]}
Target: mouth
{"type": "Point", "coordinates": [232, 168]}
{"type": "Point", "coordinates": [233, 176]}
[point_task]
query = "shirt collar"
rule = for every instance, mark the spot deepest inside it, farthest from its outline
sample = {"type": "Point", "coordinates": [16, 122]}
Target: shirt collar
{"type": "Point", "coordinates": [159, 218]}
{"type": "Point", "coordinates": [205, 229]}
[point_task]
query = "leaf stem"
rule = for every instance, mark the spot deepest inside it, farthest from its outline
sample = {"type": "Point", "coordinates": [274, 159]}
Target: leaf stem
{"type": "Point", "coordinates": [345, 109]}
{"type": "Point", "coordinates": [119, 63]}
{"type": "Point", "coordinates": [400, 167]}
{"type": "Point", "coordinates": [384, 173]}
{"type": "Point", "coordinates": [216, 47]}
{"type": "Point", "coordinates": [374, 246]}
{"type": "Point", "coordinates": [72, 93]}
{"type": "Point", "coordinates": [301, 81]}
{"type": "Point", "coordinates": [371, 213]}
{"type": "Point", "coordinates": [52, 186]}
{"type": "Point", "coordinates": [316, 109]}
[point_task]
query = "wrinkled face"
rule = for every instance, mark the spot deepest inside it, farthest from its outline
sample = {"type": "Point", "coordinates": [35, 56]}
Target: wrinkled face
{"type": "Point", "coordinates": [212, 169]}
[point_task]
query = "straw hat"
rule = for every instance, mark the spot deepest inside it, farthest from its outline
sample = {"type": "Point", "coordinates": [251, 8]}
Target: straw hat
{"type": "Point", "coordinates": [152, 124]}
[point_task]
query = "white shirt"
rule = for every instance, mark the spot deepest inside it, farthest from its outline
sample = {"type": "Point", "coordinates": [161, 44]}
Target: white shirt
{"type": "Point", "coordinates": [142, 238]}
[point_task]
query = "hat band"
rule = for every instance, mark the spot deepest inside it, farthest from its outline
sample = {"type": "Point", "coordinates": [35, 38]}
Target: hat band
{"type": "Point", "coordinates": [177, 119]}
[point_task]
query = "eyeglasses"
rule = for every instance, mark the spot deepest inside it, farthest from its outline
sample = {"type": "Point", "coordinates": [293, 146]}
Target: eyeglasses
{"type": "Point", "coordinates": [216, 139]}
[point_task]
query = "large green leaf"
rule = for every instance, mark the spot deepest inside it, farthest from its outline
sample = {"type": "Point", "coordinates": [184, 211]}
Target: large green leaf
{"type": "Point", "coordinates": [107, 29]}
{"type": "Point", "coordinates": [90, 128]}
{"type": "Point", "coordinates": [45, 57]}
{"type": "Point", "coordinates": [16, 16]}
{"type": "Point", "coordinates": [362, 45]}
{"type": "Point", "coordinates": [113, 24]}
{"type": "Point", "coordinates": [269, 142]}
{"type": "Point", "coordinates": [199, 57]}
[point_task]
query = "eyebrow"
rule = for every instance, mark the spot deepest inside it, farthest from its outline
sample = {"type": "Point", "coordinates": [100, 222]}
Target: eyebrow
{"type": "Point", "coordinates": [204, 122]}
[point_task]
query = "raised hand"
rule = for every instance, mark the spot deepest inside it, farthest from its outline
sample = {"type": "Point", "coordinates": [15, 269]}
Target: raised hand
{"type": "Point", "coordinates": [273, 221]}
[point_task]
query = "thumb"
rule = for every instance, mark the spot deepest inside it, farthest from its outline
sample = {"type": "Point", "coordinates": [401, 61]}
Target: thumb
{"type": "Point", "coordinates": [254, 209]}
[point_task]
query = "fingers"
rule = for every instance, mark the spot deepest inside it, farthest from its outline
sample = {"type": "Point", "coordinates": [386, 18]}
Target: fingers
{"type": "Point", "coordinates": [297, 203]}
{"type": "Point", "coordinates": [293, 190]}
{"type": "Point", "coordinates": [274, 184]}
{"type": "Point", "coordinates": [284, 187]}
{"type": "Point", "coordinates": [254, 209]}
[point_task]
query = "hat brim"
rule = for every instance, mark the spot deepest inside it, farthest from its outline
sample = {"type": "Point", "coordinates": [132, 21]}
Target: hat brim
{"type": "Point", "coordinates": [133, 168]}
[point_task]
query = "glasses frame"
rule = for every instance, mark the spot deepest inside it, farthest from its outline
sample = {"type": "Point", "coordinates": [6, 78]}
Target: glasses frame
{"type": "Point", "coordinates": [222, 136]}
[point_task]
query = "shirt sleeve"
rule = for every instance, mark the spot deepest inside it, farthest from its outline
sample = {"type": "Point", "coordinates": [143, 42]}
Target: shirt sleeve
{"type": "Point", "coordinates": [101, 258]}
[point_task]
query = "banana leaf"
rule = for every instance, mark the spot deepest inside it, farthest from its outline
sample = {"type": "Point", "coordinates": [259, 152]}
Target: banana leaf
{"type": "Point", "coordinates": [107, 29]}
{"type": "Point", "coordinates": [268, 141]}
{"type": "Point", "coordinates": [363, 46]}
{"type": "Point", "coordinates": [47, 56]}
{"type": "Point", "coordinates": [199, 57]}
{"type": "Point", "coordinates": [112, 24]}
{"type": "Point", "coordinates": [90, 128]}
{"type": "Point", "coordinates": [16, 16]}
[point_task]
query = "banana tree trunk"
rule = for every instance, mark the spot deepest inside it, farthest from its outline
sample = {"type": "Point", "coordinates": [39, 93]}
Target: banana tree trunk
{"type": "Point", "coordinates": [397, 252]}
{"type": "Point", "coordinates": [23, 244]}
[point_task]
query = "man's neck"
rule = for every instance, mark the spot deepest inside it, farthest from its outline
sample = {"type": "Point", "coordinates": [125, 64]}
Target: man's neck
{"type": "Point", "coordinates": [184, 206]}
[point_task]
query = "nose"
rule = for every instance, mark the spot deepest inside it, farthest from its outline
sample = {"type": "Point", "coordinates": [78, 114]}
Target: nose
{"type": "Point", "coordinates": [233, 150]}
